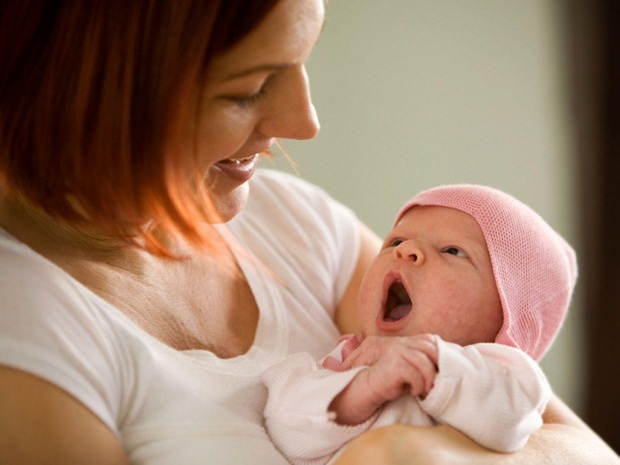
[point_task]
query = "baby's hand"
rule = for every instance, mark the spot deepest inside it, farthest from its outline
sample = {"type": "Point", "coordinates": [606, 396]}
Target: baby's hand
{"type": "Point", "coordinates": [332, 363]}
{"type": "Point", "coordinates": [396, 364]}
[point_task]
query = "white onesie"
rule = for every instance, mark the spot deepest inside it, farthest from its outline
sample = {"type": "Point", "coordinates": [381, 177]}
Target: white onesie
{"type": "Point", "coordinates": [493, 393]}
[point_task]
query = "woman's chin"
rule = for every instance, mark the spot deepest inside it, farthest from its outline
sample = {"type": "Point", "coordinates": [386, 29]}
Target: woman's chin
{"type": "Point", "coordinates": [230, 204]}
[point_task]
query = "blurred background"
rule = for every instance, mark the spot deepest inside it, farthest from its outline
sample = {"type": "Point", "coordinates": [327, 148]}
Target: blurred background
{"type": "Point", "coordinates": [517, 94]}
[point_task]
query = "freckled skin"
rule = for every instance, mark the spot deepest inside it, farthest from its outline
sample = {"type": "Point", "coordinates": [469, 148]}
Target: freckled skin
{"type": "Point", "coordinates": [440, 256]}
{"type": "Point", "coordinates": [452, 296]}
{"type": "Point", "coordinates": [236, 128]}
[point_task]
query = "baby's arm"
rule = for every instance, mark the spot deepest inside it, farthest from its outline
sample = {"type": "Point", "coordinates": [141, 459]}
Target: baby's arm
{"type": "Point", "coordinates": [493, 393]}
{"type": "Point", "coordinates": [296, 412]}
{"type": "Point", "coordinates": [396, 365]}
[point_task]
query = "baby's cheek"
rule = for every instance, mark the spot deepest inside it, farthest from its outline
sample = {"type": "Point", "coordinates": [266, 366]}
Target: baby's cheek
{"type": "Point", "coordinates": [365, 311]}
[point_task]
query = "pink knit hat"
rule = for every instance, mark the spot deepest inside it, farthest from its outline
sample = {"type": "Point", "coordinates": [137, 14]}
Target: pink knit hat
{"type": "Point", "coordinates": [534, 267]}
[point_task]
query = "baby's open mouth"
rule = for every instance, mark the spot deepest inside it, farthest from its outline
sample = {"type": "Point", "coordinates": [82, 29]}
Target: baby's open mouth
{"type": "Point", "coordinates": [398, 303]}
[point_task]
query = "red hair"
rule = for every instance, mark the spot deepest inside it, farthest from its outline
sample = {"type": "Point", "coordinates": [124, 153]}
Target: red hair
{"type": "Point", "coordinates": [93, 99]}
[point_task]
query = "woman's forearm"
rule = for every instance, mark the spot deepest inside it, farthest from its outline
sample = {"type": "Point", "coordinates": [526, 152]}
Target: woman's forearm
{"type": "Point", "coordinates": [410, 445]}
{"type": "Point", "coordinates": [563, 439]}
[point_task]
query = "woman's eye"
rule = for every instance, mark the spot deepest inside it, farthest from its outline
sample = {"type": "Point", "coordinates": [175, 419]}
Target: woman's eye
{"type": "Point", "coordinates": [454, 251]}
{"type": "Point", "coordinates": [247, 100]}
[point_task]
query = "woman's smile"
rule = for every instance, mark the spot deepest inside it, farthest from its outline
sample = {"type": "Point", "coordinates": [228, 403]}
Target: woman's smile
{"type": "Point", "coordinates": [239, 169]}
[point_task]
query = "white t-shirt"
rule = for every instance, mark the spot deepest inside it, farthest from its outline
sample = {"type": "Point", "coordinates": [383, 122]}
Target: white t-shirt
{"type": "Point", "coordinates": [187, 407]}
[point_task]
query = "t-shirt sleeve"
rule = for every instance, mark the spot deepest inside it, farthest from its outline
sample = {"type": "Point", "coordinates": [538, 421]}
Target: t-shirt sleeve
{"type": "Point", "coordinates": [49, 330]}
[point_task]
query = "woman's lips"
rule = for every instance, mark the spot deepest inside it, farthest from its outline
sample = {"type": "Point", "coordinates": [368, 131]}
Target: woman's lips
{"type": "Point", "coordinates": [240, 169]}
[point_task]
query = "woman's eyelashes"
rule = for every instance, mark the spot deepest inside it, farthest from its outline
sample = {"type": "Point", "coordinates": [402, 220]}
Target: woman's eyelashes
{"type": "Point", "coordinates": [244, 101]}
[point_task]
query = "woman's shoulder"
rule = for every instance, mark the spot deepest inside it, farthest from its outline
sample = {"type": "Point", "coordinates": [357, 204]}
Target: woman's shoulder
{"type": "Point", "coordinates": [293, 212]}
{"type": "Point", "coordinates": [22, 271]}
{"type": "Point", "coordinates": [27, 277]}
{"type": "Point", "coordinates": [54, 329]}
{"type": "Point", "coordinates": [273, 183]}
{"type": "Point", "coordinates": [41, 304]}
{"type": "Point", "coordinates": [301, 233]}
{"type": "Point", "coordinates": [276, 195]}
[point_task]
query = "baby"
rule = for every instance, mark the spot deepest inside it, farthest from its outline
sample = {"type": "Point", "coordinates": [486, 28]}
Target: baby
{"type": "Point", "coordinates": [468, 292]}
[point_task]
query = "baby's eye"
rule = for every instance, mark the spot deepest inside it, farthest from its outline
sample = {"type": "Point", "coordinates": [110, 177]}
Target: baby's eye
{"type": "Point", "coordinates": [454, 251]}
{"type": "Point", "coordinates": [395, 243]}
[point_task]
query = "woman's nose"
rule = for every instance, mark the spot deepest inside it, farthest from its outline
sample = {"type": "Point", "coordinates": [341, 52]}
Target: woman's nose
{"type": "Point", "coordinates": [409, 250]}
{"type": "Point", "coordinates": [291, 115]}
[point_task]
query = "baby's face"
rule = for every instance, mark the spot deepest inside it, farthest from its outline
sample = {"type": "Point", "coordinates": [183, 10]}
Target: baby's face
{"type": "Point", "coordinates": [432, 275]}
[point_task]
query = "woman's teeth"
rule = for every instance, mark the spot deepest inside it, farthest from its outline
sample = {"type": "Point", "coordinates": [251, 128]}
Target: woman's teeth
{"type": "Point", "coordinates": [238, 161]}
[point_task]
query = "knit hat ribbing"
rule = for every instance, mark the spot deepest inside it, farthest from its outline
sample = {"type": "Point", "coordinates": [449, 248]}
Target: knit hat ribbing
{"type": "Point", "coordinates": [535, 269]}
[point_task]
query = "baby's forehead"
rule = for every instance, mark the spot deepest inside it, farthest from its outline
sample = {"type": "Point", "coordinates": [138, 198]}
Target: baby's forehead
{"type": "Point", "coordinates": [438, 218]}
{"type": "Point", "coordinates": [440, 221]}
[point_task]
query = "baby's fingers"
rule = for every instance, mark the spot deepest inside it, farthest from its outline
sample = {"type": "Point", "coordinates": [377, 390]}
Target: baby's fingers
{"type": "Point", "coordinates": [351, 344]}
{"type": "Point", "coordinates": [350, 362]}
{"type": "Point", "coordinates": [347, 344]}
{"type": "Point", "coordinates": [422, 372]}
{"type": "Point", "coordinates": [331, 363]}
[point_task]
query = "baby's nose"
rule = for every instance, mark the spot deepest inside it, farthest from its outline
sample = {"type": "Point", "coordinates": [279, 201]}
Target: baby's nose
{"type": "Point", "coordinates": [409, 250]}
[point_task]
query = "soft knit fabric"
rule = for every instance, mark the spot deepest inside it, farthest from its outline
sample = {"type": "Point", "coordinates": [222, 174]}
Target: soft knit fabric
{"type": "Point", "coordinates": [535, 269]}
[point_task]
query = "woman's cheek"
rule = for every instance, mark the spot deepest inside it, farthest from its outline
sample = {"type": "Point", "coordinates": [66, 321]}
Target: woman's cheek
{"type": "Point", "coordinates": [223, 133]}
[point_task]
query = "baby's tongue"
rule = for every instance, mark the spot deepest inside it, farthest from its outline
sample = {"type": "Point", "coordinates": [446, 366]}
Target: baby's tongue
{"type": "Point", "coordinates": [398, 312]}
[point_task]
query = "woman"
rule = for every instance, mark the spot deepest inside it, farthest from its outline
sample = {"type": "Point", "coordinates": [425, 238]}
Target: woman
{"type": "Point", "coordinates": [134, 327]}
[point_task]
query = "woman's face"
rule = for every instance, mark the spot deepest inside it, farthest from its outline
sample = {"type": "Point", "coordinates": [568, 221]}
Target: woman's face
{"type": "Point", "coordinates": [256, 92]}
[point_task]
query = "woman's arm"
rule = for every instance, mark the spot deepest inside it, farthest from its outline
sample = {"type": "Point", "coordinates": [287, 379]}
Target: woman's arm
{"type": "Point", "coordinates": [563, 439]}
{"type": "Point", "coordinates": [346, 313]}
{"type": "Point", "coordinates": [41, 424]}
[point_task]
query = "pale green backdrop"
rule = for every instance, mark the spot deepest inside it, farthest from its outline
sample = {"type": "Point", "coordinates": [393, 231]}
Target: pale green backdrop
{"type": "Point", "coordinates": [414, 93]}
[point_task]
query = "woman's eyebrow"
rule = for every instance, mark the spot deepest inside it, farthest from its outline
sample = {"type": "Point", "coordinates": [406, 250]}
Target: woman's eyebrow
{"type": "Point", "coordinates": [257, 69]}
